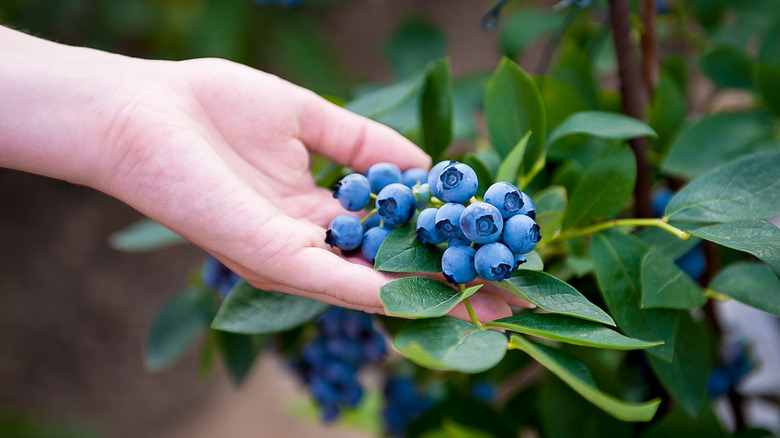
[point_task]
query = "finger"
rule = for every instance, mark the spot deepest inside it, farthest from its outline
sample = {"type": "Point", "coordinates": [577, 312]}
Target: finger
{"type": "Point", "coordinates": [352, 140]}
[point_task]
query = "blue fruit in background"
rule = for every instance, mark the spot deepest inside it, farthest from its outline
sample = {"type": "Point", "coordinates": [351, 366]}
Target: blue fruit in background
{"type": "Point", "coordinates": [433, 176]}
{"type": "Point", "coordinates": [380, 175]}
{"type": "Point", "coordinates": [661, 199]}
{"type": "Point", "coordinates": [426, 227]}
{"type": "Point", "coordinates": [344, 232]}
{"type": "Point", "coordinates": [448, 220]}
{"type": "Point", "coordinates": [457, 183]}
{"type": "Point", "coordinates": [396, 204]}
{"type": "Point", "coordinates": [494, 261]}
{"type": "Point", "coordinates": [521, 234]}
{"type": "Point", "coordinates": [414, 176]}
{"type": "Point", "coordinates": [353, 192]}
{"type": "Point", "coordinates": [457, 264]}
{"type": "Point", "coordinates": [372, 240]}
{"type": "Point", "coordinates": [481, 222]}
{"type": "Point", "coordinates": [403, 403]}
{"type": "Point", "coordinates": [506, 197]}
{"type": "Point", "coordinates": [218, 276]}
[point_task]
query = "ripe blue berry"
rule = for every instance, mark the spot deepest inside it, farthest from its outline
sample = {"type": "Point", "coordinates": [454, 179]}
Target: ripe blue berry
{"type": "Point", "coordinates": [448, 220]}
{"type": "Point", "coordinates": [218, 276]}
{"type": "Point", "coordinates": [481, 222]}
{"type": "Point", "coordinates": [506, 197]}
{"type": "Point", "coordinates": [457, 183]}
{"type": "Point", "coordinates": [528, 208]}
{"type": "Point", "coordinates": [372, 240]}
{"type": "Point", "coordinates": [344, 232]}
{"type": "Point", "coordinates": [494, 261]}
{"type": "Point", "coordinates": [353, 192]}
{"type": "Point", "coordinates": [426, 227]}
{"type": "Point", "coordinates": [396, 204]}
{"type": "Point", "coordinates": [457, 264]}
{"type": "Point", "coordinates": [521, 234]}
{"type": "Point", "coordinates": [433, 176]}
{"type": "Point", "coordinates": [381, 175]}
{"type": "Point", "coordinates": [413, 176]}
{"type": "Point", "coordinates": [519, 259]}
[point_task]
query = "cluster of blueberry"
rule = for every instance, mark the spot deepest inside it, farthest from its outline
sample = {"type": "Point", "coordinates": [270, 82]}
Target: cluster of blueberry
{"type": "Point", "coordinates": [403, 403]}
{"type": "Point", "coordinates": [329, 365]}
{"type": "Point", "coordinates": [218, 276]}
{"type": "Point", "coordinates": [489, 238]}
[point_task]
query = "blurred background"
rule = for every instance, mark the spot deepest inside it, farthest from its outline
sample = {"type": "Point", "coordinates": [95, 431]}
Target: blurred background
{"type": "Point", "coordinates": [74, 313]}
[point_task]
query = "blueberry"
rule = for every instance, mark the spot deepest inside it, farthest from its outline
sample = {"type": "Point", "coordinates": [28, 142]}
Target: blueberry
{"type": "Point", "coordinates": [457, 264]}
{"type": "Point", "coordinates": [433, 176]}
{"type": "Point", "coordinates": [459, 239]}
{"type": "Point", "coordinates": [519, 259]}
{"type": "Point", "coordinates": [413, 176]}
{"type": "Point", "coordinates": [381, 175]}
{"type": "Point", "coordinates": [353, 192]}
{"type": "Point", "coordinates": [521, 234]}
{"type": "Point", "coordinates": [693, 262]}
{"type": "Point", "coordinates": [457, 183]}
{"type": "Point", "coordinates": [426, 227]}
{"type": "Point", "coordinates": [448, 220]}
{"type": "Point", "coordinates": [494, 261]}
{"type": "Point", "coordinates": [528, 208]}
{"type": "Point", "coordinates": [506, 197]}
{"type": "Point", "coordinates": [481, 222]}
{"type": "Point", "coordinates": [344, 232]}
{"type": "Point", "coordinates": [372, 240]}
{"type": "Point", "coordinates": [396, 204]}
{"type": "Point", "coordinates": [423, 194]}
{"type": "Point", "coordinates": [218, 276]}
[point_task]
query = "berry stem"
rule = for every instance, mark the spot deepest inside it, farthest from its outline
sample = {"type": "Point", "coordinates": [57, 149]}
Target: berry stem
{"type": "Point", "coordinates": [368, 215]}
{"type": "Point", "coordinates": [472, 315]}
{"type": "Point", "coordinates": [635, 222]}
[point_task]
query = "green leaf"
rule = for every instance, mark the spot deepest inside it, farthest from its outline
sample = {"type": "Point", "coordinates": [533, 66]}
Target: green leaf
{"type": "Point", "coordinates": [250, 311]}
{"type": "Point", "coordinates": [715, 140]}
{"type": "Point", "coordinates": [239, 353]}
{"type": "Point", "coordinates": [550, 207]}
{"type": "Point", "coordinates": [573, 67]}
{"type": "Point", "coordinates": [561, 100]}
{"type": "Point", "coordinates": [679, 423]}
{"type": "Point", "coordinates": [421, 297]}
{"type": "Point", "coordinates": [450, 344]}
{"type": "Point", "coordinates": [685, 377]}
{"type": "Point", "coordinates": [575, 331]}
{"type": "Point", "coordinates": [513, 106]}
{"type": "Point", "coordinates": [605, 188]}
{"type": "Point", "coordinates": [754, 236]}
{"type": "Point", "coordinates": [510, 166]}
{"type": "Point", "coordinates": [144, 235]}
{"type": "Point", "coordinates": [578, 377]}
{"type": "Point", "coordinates": [402, 252]}
{"type": "Point", "coordinates": [176, 327]}
{"type": "Point", "coordinates": [601, 124]}
{"type": "Point", "coordinates": [524, 27]}
{"type": "Point", "coordinates": [413, 44]}
{"type": "Point", "coordinates": [751, 283]}
{"type": "Point", "coordinates": [666, 286]}
{"type": "Point", "coordinates": [379, 101]}
{"type": "Point", "coordinates": [668, 110]}
{"type": "Point", "coordinates": [533, 262]}
{"type": "Point", "coordinates": [728, 67]}
{"type": "Point", "coordinates": [746, 188]}
{"type": "Point", "coordinates": [553, 295]}
{"type": "Point", "coordinates": [667, 243]}
{"type": "Point", "coordinates": [767, 78]}
{"type": "Point", "coordinates": [617, 260]}
{"type": "Point", "coordinates": [436, 109]}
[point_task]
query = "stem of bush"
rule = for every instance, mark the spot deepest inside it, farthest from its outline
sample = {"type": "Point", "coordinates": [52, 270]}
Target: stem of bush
{"type": "Point", "coordinates": [472, 315]}
{"type": "Point", "coordinates": [636, 222]}
{"type": "Point", "coordinates": [368, 215]}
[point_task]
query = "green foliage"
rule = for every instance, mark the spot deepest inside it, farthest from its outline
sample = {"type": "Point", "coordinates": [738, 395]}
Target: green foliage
{"type": "Point", "coordinates": [666, 286]}
{"type": "Point", "coordinates": [402, 252]}
{"type": "Point", "coordinates": [751, 283]}
{"type": "Point", "coordinates": [249, 310]}
{"type": "Point", "coordinates": [421, 297]}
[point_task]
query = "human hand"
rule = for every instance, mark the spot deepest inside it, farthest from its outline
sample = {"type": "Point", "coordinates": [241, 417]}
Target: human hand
{"type": "Point", "coordinates": [219, 153]}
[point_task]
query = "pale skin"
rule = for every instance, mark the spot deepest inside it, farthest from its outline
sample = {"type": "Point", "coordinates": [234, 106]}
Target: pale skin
{"type": "Point", "coordinates": [214, 150]}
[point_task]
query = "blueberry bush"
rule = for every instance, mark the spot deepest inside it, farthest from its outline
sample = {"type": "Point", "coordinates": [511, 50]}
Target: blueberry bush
{"type": "Point", "coordinates": [622, 216]}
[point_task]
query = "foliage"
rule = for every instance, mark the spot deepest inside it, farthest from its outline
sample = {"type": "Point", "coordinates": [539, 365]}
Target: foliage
{"type": "Point", "coordinates": [618, 323]}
